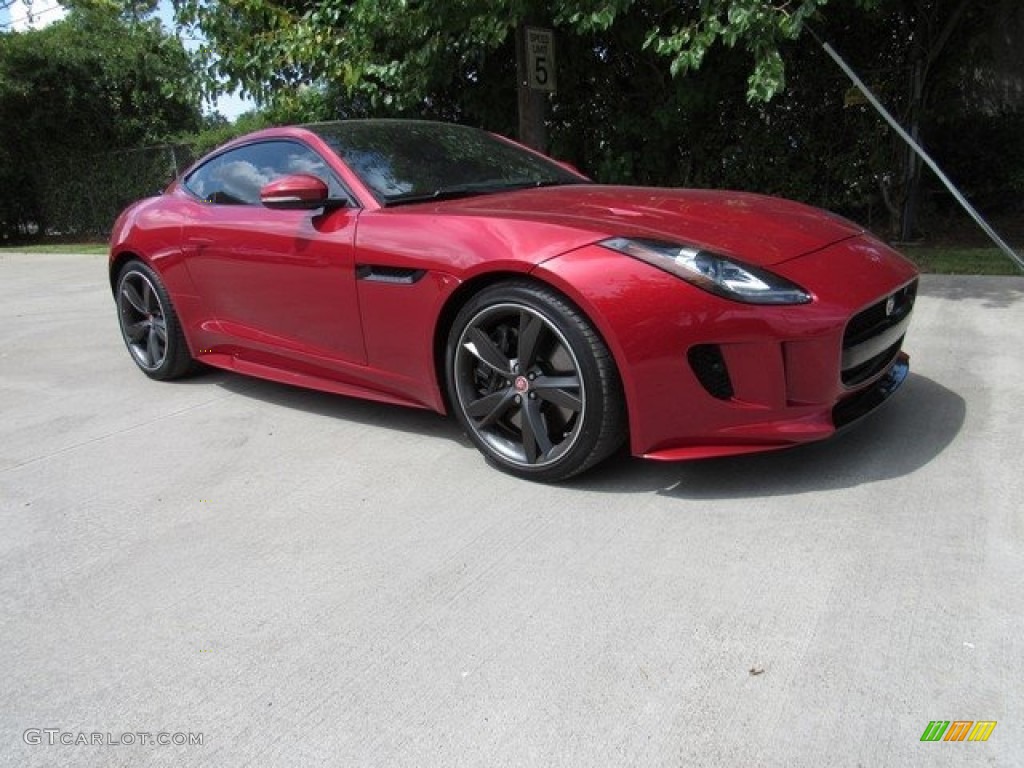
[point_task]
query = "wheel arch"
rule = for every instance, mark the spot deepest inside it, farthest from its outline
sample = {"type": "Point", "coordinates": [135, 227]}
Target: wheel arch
{"type": "Point", "coordinates": [473, 286]}
{"type": "Point", "coordinates": [549, 275]}
{"type": "Point", "coordinates": [446, 317]}
{"type": "Point", "coordinates": [117, 263]}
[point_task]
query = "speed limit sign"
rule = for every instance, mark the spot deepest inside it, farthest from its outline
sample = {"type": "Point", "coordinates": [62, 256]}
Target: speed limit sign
{"type": "Point", "coordinates": [540, 59]}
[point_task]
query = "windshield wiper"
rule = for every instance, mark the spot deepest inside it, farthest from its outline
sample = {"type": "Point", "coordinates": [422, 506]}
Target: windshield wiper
{"type": "Point", "coordinates": [533, 184]}
{"type": "Point", "coordinates": [475, 188]}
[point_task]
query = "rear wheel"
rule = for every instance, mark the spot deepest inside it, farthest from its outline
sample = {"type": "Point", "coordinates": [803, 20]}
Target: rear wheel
{"type": "Point", "coordinates": [532, 382]}
{"type": "Point", "coordinates": [149, 324]}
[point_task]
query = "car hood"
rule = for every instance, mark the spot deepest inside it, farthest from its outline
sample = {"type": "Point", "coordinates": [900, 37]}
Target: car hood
{"type": "Point", "coordinates": [757, 229]}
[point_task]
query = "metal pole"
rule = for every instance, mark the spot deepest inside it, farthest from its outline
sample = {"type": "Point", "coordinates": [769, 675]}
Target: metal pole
{"type": "Point", "coordinates": [1003, 246]}
{"type": "Point", "coordinates": [174, 161]}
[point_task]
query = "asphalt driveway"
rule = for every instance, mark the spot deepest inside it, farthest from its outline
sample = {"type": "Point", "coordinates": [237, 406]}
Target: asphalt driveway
{"type": "Point", "coordinates": [298, 579]}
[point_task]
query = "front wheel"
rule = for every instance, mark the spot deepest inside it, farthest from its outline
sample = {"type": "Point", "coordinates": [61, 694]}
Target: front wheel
{"type": "Point", "coordinates": [532, 382]}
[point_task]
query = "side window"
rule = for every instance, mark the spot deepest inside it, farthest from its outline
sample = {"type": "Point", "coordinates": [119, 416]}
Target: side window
{"type": "Point", "coordinates": [235, 177]}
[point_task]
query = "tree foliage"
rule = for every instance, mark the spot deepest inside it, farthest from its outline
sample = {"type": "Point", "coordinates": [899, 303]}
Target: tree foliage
{"type": "Point", "coordinates": [716, 92]}
{"type": "Point", "coordinates": [725, 93]}
{"type": "Point", "coordinates": [391, 50]}
{"type": "Point", "coordinates": [91, 83]}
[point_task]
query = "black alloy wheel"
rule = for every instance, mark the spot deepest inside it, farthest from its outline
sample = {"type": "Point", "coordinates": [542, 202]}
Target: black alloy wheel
{"type": "Point", "coordinates": [532, 383]}
{"type": "Point", "coordinates": [149, 325]}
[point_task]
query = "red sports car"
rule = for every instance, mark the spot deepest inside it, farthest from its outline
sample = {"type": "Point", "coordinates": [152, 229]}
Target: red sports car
{"type": "Point", "coordinates": [443, 267]}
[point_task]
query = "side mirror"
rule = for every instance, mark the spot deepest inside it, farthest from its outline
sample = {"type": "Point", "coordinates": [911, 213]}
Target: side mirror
{"type": "Point", "coordinates": [299, 191]}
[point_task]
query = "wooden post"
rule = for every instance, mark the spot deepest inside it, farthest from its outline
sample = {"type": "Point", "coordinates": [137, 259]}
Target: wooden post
{"type": "Point", "coordinates": [533, 104]}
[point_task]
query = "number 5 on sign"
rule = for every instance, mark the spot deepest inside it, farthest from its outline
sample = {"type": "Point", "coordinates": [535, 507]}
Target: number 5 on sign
{"type": "Point", "coordinates": [540, 59]}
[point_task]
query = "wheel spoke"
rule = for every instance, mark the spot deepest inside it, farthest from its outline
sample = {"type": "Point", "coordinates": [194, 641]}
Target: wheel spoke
{"type": "Point", "coordinates": [161, 329]}
{"type": "Point", "coordinates": [153, 347]}
{"type": "Point", "coordinates": [135, 331]}
{"type": "Point", "coordinates": [132, 295]}
{"type": "Point", "coordinates": [480, 346]}
{"type": "Point", "coordinates": [530, 327]}
{"type": "Point", "coordinates": [554, 389]}
{"type": "Point", "coordinates": [489, 408]}
{"type": "Point", "coordinates": [536, 442]}
{"type": "Point", "coordinates": [147, 298]}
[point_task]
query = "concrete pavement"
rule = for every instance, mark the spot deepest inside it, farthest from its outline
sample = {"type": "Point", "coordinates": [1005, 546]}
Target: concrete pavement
{"type": "Point", "coordinates": [308, 580]}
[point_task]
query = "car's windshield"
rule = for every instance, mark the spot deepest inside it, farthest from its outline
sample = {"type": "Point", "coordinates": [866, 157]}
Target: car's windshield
{"type": "Point", "coordinates": [404, 161]}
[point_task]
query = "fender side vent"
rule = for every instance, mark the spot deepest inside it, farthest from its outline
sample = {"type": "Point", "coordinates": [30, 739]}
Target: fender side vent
{"type": "Point", "coordinates": [709, 366]}
{"type": "Point", "coordinates": [395, 275]}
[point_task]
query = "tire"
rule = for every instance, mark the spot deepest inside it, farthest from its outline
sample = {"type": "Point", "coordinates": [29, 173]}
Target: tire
{"type": "Point", "coordinates": [532, 383]}
{"type": "Point", "coordinates": [149, 324]}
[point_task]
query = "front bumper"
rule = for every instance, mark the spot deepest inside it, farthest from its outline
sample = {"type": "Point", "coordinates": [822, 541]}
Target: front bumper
{"type": "Point", "coordinates": [795, 374]}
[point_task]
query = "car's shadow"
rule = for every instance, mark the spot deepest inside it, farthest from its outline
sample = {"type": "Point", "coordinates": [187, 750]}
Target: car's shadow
{"type": "Point", "coordinates": [369, 412]}
{"type": "Point", "coordinates": [898, 439]}
{"type": "Point", "coordinates": [901, 437]}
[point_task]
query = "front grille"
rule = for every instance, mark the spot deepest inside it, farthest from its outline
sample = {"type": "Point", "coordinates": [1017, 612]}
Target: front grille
{"type": "Point", "coordinates": [709, 366]}
{"type": "Point", "coordinates": [873, 320]}
{"type": "Point", "coordinates": [874, 336]}
{"type": "Point", "coordinates": [872, 365]}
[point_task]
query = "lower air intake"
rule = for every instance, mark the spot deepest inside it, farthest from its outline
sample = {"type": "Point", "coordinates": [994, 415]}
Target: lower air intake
{"type": "Point", "coordinates": [709, 366]}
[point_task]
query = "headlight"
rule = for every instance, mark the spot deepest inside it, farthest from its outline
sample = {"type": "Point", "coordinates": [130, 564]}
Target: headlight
{"type": "Point", "coordinates": [717, 274]}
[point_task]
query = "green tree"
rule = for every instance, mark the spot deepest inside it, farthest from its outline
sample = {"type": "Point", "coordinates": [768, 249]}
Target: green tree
{"type": "Point", "coordinates": [390, 50]}
{"type": "Point", "coordinates": [94, 82]}
{"type": "Point", "coordinates": [716, 92]}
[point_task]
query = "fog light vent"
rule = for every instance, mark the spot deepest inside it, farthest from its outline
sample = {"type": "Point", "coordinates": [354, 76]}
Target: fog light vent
{"type": "Point", "coordinates": [709, 366]}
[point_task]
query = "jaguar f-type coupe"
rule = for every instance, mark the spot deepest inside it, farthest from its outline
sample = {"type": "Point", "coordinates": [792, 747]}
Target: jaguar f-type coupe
{"type": "Point", "coordinates": [440, 266]}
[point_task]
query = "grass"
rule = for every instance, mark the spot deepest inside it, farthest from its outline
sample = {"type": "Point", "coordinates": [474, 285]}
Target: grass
{"type": "Point", "coordinates": [942, 260]}
{"type": "Point", "coordinates": [960, 261]}
{"type": "Point", "coordinates": [89, 248]}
